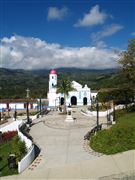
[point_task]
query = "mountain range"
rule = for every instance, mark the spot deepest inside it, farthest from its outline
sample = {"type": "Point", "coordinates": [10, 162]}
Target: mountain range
{"type": "Point", "coordinates": [14, 82]}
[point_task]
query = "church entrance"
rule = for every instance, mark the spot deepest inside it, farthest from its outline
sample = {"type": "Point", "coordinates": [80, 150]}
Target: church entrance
{"type": "Point", "coordinates": [62, 101]}
{"type": "Point", "coordinates": [73, 100]}
{"type": "Point", "coordinates": [84, 101]}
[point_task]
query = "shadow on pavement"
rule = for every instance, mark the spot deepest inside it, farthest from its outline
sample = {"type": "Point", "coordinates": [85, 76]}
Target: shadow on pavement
{"type": "Point", "coordinates": [37, 150]}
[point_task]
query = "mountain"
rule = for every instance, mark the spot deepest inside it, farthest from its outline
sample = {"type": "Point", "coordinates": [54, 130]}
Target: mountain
{"type": "Point", "coordinates": [14, 82]}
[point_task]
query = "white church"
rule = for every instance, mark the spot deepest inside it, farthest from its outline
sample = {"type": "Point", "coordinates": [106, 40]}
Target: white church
{"type": "Point", "coordinates": [82, 95]}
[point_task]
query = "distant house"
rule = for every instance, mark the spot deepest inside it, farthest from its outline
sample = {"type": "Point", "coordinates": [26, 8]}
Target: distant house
{"type": "Point", "coordinates": [19, 104]}
{"type": "Point", "coordinates": [82, 95]}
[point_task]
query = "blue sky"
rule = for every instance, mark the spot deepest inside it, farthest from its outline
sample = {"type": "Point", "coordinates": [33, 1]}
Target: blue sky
{"type": "Point", "coordinates": [68, 25]}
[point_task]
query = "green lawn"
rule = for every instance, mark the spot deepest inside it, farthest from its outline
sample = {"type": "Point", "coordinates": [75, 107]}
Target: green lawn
{"type": "Point", "coordinates": [5, 150]}
{"type": "Point", "coordinates": [120, 137]}
{"type": "Point", "coordinates": [127, 119]}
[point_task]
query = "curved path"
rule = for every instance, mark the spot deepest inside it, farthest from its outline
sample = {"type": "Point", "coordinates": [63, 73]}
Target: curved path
{"type": "Point", "coordinates": [61, 142]}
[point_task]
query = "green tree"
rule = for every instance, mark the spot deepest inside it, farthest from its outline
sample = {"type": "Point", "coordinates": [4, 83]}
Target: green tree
{"type": "Point", "coordinates": [127, 62]}
{"type": "Point", "coordinates": [65, 86]}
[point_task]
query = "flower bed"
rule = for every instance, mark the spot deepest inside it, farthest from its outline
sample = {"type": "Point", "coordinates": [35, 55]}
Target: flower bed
{"type": "Point", "coordinates": [7, 136]}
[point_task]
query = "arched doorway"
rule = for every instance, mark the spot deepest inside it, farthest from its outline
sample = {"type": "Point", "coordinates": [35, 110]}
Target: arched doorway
{"type": "Point", "coordinates": [73, 100]}
{"type": "Point", "coordinates": [62, 101]}
{"type": "Point", "coordinates": [84, 101]}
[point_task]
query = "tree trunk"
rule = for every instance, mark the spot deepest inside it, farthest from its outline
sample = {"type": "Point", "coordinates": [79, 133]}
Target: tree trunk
{"type": "Point", "coordinates": [65, 108]}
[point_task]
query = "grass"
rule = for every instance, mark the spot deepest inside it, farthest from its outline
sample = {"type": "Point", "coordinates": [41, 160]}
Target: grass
{"type": "Point", "coordinates": [119, 138]}
{"type": "Point", "coordinates": [5, 150]}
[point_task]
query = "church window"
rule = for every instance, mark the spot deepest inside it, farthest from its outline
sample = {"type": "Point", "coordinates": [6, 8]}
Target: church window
{"type": "Point", "coordinates": [85, 93]}
{"type": "Point", "coordinates": [79, 95]}
{"type": "Point", "coordinates": [52, 77]}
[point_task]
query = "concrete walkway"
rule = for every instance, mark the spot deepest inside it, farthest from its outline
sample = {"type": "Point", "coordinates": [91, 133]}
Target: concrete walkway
{"type": "Point", "coordinates": [64, 154]}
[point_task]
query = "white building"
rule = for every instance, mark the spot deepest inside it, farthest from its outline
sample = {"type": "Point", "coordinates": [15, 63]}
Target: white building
{"type": "Point", "coordinates": [82, 95]}
{"type": "Point", "coordinates": [18, 104]}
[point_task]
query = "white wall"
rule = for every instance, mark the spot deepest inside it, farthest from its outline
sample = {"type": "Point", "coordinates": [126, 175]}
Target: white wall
{"type": "Point", "coordinates": [102, 113]}
{"type": "Point", "coordinates": [16, 105]}
{"type": "Point", "coordinates": [3, 105]}
{"type": "Point", "coordinates": [12, 126]}
{"type": "Point", "coordinates": [27, 160]}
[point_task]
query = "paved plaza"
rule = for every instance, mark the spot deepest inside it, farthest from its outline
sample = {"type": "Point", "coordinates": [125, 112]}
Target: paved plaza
{"type": "Point", "coordinates": [65, 155]}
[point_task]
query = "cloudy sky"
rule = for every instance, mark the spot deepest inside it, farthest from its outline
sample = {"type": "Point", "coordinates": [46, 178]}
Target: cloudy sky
{"type": "Point", "coordinates": [89, 34]}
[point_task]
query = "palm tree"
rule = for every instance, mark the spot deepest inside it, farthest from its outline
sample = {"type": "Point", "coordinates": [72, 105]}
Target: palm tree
{"type": "Point", "coordinates": [65, 86]}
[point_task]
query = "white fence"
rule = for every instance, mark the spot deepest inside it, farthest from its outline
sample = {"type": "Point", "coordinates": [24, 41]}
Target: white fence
{"type": "Point", "coordinates": [101, 113]}
{"type": "Point", "coordinates": [30, 156]}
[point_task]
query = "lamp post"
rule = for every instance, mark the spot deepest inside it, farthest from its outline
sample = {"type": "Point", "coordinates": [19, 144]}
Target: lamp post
{"type": "Point", "coordinates": [27, 106]}
{"type": "Point", "coordinates": [94, 99]}
{"type": "Point", "coordinates": [15, 113]}
{"type": "Point", "coordinates": [40, 106]}
{"type": "Point", "coordinates": [113, 107]}
{"type": "Point", "coordinates": [114, 115]}
{"type": "Point", "coordinates": [97, 109]}
{"type": "Point", "coordinates": [0, 107]}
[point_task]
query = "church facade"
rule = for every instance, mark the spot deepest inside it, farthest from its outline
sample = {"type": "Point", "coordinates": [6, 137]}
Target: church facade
{"type": "Point", "coordinates": [82, 95]}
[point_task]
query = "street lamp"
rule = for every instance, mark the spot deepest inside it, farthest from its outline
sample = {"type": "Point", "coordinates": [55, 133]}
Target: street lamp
{"type": "Point", "coordinates": [94, 99]}
{"type": "Point", "coordinates": [15, 113]}
{"type": "Point", "coordinates": [97, 109]}
{"type": "Point", "coordinates": [40, 106]}
{"type": "Point", "coordinates": [113, 106]}
{"type": "Point", "coordinates": [0, 107]}
{"type": "Point", "coordinates": [114, 115]}
{"type": "Point", "coordinates": [27, 105]}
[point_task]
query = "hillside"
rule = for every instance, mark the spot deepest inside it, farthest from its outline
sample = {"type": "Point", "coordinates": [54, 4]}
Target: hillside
{"type": "Point", "coordinates": [14, 83]}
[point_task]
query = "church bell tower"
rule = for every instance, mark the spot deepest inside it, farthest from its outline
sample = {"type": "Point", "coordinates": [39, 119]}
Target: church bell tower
{"type": "Point", "coordinates": [52, 81]}
{"type": "Point", "coordinates": [52, 94]}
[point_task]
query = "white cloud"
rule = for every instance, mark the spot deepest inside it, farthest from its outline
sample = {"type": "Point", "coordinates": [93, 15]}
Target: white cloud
{"type": "Point", "coordinates": [107, 31]}
{"type": "Point", "coordinates": [100, 44]}
{"type": "Point", "coordinates": [55, 13]}
{"type": "Point", "coordinates": [9, 40]}
{"type": "Point", "coordinates": [133, 33]}
{"type": "Point", "coordinates": [33, 53]}
{"type": "Point", "coordinates": [94, 17]}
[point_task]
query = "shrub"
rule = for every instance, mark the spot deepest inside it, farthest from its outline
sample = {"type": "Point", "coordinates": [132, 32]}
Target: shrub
{"type": "Point", "coordinates": [19, 147]}
{"type": "Point", "coordinates": [131, 108]}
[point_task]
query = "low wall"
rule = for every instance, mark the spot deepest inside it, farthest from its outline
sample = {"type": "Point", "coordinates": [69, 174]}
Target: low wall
{"type": "Point", "coordinates": [94, 113]}
{"type": "Point", "coordinates": [101, 113]}
{"type": "Point", "coordinates": [30, 156]}
{"type": "Point", "coordinates": [27, 141]}
{"type": "Point", "coordinates": [12, 126]}
{"type": "Point", "coordinates": [27, 160]}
